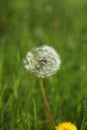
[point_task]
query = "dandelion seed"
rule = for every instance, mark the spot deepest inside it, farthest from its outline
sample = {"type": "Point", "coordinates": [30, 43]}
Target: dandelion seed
{"type": "Point", "coordinates": [43, 61]}
{"type": "Point", "coordinates": [29, 61]}
{"type": "Point", "coordinates": [66, 126]}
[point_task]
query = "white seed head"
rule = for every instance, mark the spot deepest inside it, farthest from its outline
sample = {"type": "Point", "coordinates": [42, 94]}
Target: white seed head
{"type": "Point", "coordinates": [43, 61]}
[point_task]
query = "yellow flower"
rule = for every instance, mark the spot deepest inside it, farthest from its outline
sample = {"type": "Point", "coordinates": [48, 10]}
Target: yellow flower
{"type": "Point", "coordinates": [66, 126]}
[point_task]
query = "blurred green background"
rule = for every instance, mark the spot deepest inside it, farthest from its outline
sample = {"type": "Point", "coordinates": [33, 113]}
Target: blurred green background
{"type": "Point", "coordinates": [25, 24]}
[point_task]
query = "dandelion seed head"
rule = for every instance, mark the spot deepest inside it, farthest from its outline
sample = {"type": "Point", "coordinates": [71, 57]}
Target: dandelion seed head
{"type": "Point", "coordinates": [43, 61]}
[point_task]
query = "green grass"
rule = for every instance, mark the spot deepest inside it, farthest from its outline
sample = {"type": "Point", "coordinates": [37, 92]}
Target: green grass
{"type": "Point", "coordinates": [27, 24]}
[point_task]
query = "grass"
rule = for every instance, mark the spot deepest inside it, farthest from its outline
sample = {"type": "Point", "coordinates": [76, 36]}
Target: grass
{"type": "Point", "coordinates": [24, 25]}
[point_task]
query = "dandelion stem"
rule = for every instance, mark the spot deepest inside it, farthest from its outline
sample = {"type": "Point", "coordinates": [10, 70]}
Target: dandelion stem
{"type": "Point", "coordinates": [46, 103]}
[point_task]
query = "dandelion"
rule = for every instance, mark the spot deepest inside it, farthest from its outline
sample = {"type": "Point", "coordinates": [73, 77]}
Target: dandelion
{"type": "Point", "coordinates": [43, 61]}
{"type": "Point", "coordinates": [66, 126]}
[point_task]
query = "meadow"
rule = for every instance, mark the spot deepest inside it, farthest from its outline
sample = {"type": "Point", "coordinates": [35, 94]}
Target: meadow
{"type": "Point", "coordinates": [26, 24]}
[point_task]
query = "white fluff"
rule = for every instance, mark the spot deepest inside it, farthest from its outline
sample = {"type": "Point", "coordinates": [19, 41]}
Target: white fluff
{"type": "Point", "coordinates": [43, 61]}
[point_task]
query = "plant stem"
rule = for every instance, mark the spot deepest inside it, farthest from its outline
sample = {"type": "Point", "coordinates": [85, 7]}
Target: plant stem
{"type": "Point", "coordinates": [82, 125]}
{"type": "Point", "coordinates": [46, 103]}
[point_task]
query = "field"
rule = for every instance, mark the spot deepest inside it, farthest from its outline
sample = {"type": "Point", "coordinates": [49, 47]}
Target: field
{"type": "Point", "coordinates": [27, 24]}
